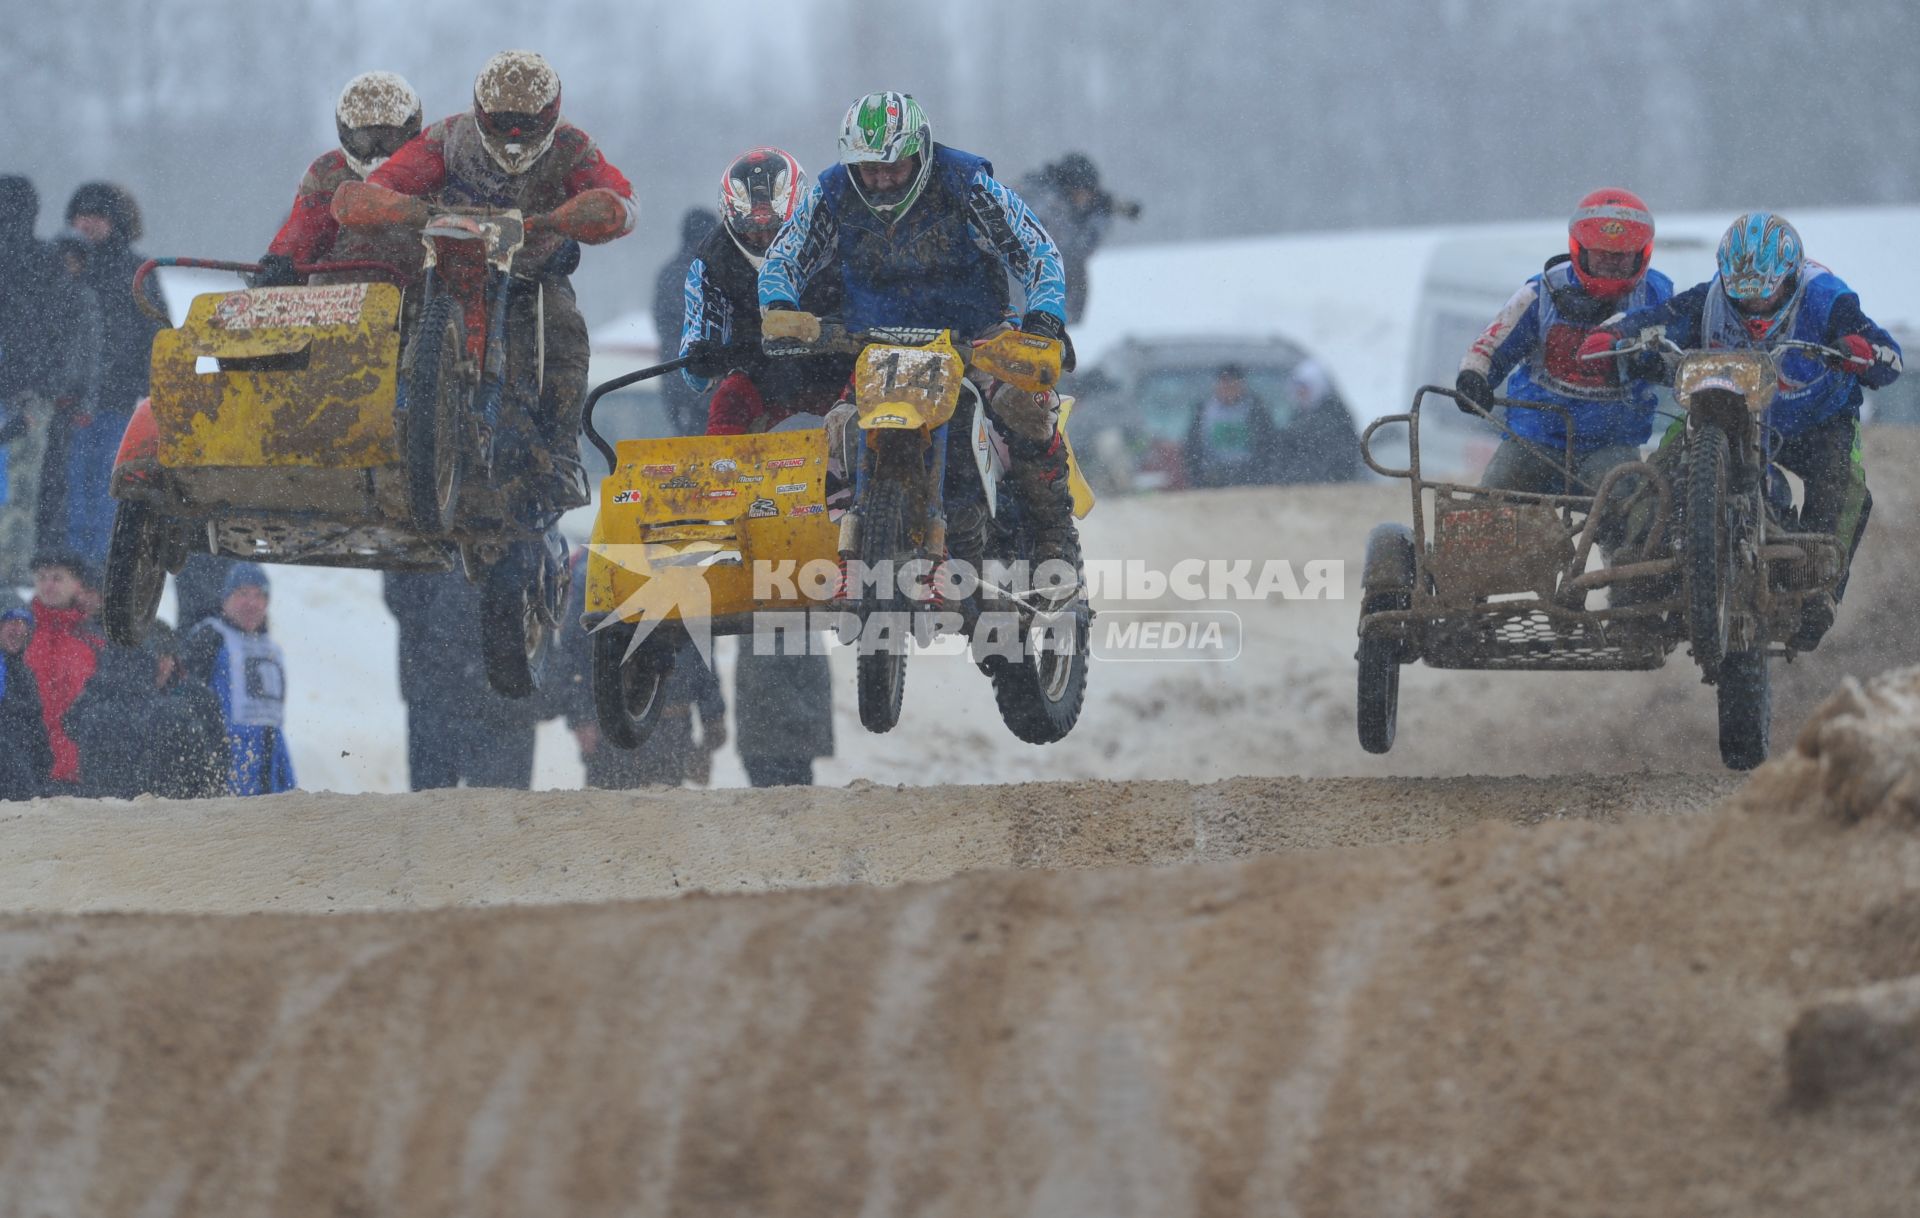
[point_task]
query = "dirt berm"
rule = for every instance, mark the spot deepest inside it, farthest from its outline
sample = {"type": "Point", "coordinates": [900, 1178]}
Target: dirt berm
{"type": "Point", "coordinates": [1551, 1008]}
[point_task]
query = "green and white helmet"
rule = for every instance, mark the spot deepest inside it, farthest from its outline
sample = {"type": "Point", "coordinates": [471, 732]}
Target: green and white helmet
{"type": "Point", "coordinates": [887, 128]}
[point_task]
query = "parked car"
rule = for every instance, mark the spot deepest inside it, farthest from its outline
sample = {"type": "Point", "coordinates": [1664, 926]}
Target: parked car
{"type": "Point", "coordinates": [1131, 425]}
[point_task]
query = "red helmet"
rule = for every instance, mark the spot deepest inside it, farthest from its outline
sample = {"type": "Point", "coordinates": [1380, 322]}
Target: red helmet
{"type": "Point", "coordinates": [758, 193]}
{"type": "Point", "coordinates": [1615, 222]}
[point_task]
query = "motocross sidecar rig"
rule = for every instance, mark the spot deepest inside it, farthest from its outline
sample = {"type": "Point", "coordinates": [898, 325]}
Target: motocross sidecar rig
{"type": "Point", "coordinates": [277, 429]}
{"type": "Point", "coordinates": [1613, 577]}
{"type": "Point", "coordinates": [690, 529]}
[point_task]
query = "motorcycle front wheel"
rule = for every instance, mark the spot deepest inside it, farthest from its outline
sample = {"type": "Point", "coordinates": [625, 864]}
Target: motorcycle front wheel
{"type": "Point", "coordinates": [1708, 557]}
{"type": "Point", "coordinates": [880, 674]}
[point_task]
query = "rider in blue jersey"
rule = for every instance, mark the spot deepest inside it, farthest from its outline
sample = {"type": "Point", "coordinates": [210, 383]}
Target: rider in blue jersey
{"type": "Point", "coordinates": [923, 235]}
{"type": "Point", "coordinates": [1766, 292]}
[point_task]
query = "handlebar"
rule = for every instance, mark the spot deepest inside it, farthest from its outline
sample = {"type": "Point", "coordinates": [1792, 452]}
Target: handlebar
{"type": "Point", "coordinates": [1658, 340]}
{"type": "Point", "coordinates": [246, 268]}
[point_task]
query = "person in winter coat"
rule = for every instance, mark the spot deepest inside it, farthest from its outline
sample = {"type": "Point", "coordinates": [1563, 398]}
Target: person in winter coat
{"type": "Point", "coordinates": [106, 220]}
{"type": "Point", "coordinates": [1078, 213]}
{"type": "Point", "coordinates": [143, 730]}
{"type": "Point", "coordinates": [783, 712]}
{"type": "Point", "coordinates": [720, 331]}
{"type": "Point", "coordinates": [1231, 440]}
{"type": "Point", "coordinates": [63, 653]}
{"type": "Point", "coordinates": [683, 400]}
{"type": "Point", "coordinates": [513, 150]}
{"type": "Point", "coordinates": [247, 671]}
{"type": "Point", "coordinates": [1534, 345]}
{"type": "Point", "coordinates": [1765, 292]}
{"type": "Point", "coordinates": [36, 319]}
{"type": "Point", "coordinates": [26, 758]}
{"type": "Point", "coordinates": [458, 729]}
{"type": "Point", "coordinates": [376, 114]}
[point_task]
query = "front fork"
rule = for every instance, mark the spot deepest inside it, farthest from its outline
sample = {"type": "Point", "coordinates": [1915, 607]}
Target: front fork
{"type": "Point", "coordinates": [936, 474]}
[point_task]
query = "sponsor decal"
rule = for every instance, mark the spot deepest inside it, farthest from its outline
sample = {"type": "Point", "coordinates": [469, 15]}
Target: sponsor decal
{"type": "Point", "coordinates": [761, 508]}
{"type": "Point", "coordinates": [724, 492]}
{"type": "Point", "coordinates": [725, 465]}
{"type": "Point", "coordinates": [807, 509]}
{"type": "Point", "coordinates": [790, 488]}
{"type": "Point", "coordinates": [626, 497]}
{"type": "Point", "coordinates": [888, 420]}
{"type": "Point", "coordinates": [267, 308]}
{"type": "Point", "coordinates": [751, 478]}
{"type": "Point", "coordinates": [682, 483]}
{"type": "Point", "coordinates": [787, 463]}
{"type": "Point", "coordinates": [657, 471]}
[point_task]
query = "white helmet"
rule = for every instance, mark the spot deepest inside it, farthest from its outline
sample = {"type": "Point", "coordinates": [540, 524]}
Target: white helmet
{"type": "Point", "coordinates": [516, 101]}
{"type": "Point", "coordinates": [376, 114]}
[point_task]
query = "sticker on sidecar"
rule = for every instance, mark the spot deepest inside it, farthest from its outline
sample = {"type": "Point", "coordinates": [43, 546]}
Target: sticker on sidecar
{"type": "Point", "coordinates": [790, 488]}
{"type": "Point", "coordinates": [658, 471]}
{"type": "Point", "coordinates": [682, 483]}
{"type": "Point", "coordinates": [337, 304]}
{"type": "Point", "coordinates": [807, 509]}
{"type": "Point", "coordinates": [725, 465]}
{"type": "Point", "coordinates": [627, 497]}
{"type": "Point", "coordinates": [722, 493]}
{"type": "Point", "coordinates": [787, 463]}
{"type": "Point", "coordinates": [762, 508]}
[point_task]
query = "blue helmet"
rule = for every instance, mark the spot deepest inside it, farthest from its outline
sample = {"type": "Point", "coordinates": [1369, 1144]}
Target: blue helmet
{"type": "Point", "coordinates": [1760, 260]}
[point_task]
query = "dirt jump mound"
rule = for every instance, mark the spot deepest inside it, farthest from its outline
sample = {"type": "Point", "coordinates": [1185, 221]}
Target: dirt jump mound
{"type": "Point", "coordinates": [1680, 1011]}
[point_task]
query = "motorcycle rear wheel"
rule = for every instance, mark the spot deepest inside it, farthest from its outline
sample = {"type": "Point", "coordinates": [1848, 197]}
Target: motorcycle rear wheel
{"type": "Point", "coordinates": [1040, 695]}
{"type": "Point", "coordinates": [1745, 693]}
{"type": "Point", "coordinates": [514, 637]}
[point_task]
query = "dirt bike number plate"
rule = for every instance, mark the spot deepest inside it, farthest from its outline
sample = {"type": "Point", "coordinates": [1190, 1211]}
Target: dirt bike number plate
{"type": "Point", "coordinates": [908, 374]}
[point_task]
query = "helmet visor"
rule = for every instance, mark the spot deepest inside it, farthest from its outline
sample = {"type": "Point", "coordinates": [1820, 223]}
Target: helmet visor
{"type": "Point", "coordinates": [512, 126]}
{"type": "Point", "coordinates": [1611, 264]}
{"type": "Point", "coordinates": [375, 143]}
{"type": "Point", "coordinates": [887, 185]}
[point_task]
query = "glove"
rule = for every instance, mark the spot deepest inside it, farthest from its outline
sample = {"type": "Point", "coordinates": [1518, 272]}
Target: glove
{"type": "Point", "coordinates": [276, 271]}
{"type": "Point", "coordinates": [1600, 342]}
{"type": "Point", "coordinates": [1044, 324]}
{"type": "Point", "coordinates": [707, 359]}
{"type": "Point", "coordinates": [1859, 356]}
{"type": "Point", "coordinates": [1474, 391]}
{"type": "Point", "coordinates": [593, 216]}
{"type": "Point", "coordinates": [363, 204]}
{"type": "Point", "coordinates": [784, 327]}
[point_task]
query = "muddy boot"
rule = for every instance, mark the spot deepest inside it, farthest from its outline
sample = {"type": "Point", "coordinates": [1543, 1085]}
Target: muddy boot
{"type": "Point", "coordinates": [1038, 480]}
{"type": "Point", "coordinates": [1816, 618]}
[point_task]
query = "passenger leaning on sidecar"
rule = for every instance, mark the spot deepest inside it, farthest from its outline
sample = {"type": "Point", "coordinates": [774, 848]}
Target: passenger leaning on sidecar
{"type": "Point", "coordinates": [720, 334]}
{"type": "Point", "coordinates": [513, 150]}
{"type": "Point", "coordinates": [1533, 346]}
{"type": "Point", "coordinates": [378, 112]}
{"type": "Point", "coordinates": [1766, 292]}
